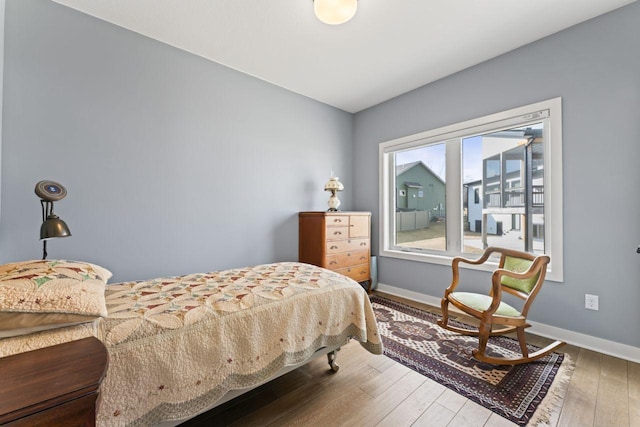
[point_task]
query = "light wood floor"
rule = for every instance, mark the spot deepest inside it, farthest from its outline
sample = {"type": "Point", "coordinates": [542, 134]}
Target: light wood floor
{"type": "Point", "coordinates": [374, 390]}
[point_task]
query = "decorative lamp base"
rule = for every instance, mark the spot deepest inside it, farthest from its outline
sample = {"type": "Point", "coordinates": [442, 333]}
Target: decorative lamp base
{"type": "Point", "coordinates": [334, 202]}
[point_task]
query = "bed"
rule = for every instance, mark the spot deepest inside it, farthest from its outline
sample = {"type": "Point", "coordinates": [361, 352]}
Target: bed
{"type": "Point", "coordinates": [178, 345]}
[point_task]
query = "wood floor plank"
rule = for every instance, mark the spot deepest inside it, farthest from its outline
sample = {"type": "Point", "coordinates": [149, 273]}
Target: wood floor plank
{"type": "Point", "coordinates": [613, 404]}
{"type": "Point", "coordinates": [270, 412]}
{"type": "Point", "coordinates": [571, 350]}
{"type": "Point", "coordinates": [381, 363]}
{"type": "Point", "coordinates": [410, 409]}
{"type": "Point", "coordinates": [634, 380]}
{"type": "Point", "coordinates": [382, 405]}
{"type": "Point", "coordinates": [580, 400]}
{"type": "Point", "coordinates": [291, 381]}
{"type": "Point", "coordinates": [379, 384]}
{"type": "Point", "coordinates": [324, 408]}
{"type": "Point", "coordinates": [452, 400]}
{"type": "Point", "coordinates": [496, 420]}
{"type": "Point", "coordinates": [613, 393]}
{"type": "Point", "coordinates": [435, 416]}
{"type": "Point", "coordinates": [320, 380]}
{"type": "Point", "coordinates": [634, 394]}
{"type": "Point", "coordinates": [634, 412]}
{"type": "Point", "coordinates": [614, 368]}
{"type": "Point", "coordinates": [471, 415]}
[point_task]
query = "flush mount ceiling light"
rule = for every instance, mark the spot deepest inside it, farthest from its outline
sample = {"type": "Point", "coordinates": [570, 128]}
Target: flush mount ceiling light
{"type": "Point", "coordinates": [335, 12]}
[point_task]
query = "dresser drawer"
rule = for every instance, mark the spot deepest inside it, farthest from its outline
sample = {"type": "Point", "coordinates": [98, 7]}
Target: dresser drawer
{"type": "Point", "coordinates": [337, 220]}
{"type": "Point", "coordinates": [337, 233]}
{"type": "Point", "coordinates": [359, 273]}
{"type": "Point", "coordinates": [338, 246]}
{"type": "Point", "coordinates": [79, 412]}
{"type": "Point", "coordinates": [347, 259]}
{"type": "Point", "coordinates": [54, 386]}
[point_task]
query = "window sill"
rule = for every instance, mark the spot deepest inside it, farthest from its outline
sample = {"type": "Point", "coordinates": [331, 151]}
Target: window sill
{"type": "Point", "coordinates": [446, 261]}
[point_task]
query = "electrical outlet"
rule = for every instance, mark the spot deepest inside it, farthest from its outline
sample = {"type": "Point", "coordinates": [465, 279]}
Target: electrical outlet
{"type": "Point", "coordinates": [591, 302]}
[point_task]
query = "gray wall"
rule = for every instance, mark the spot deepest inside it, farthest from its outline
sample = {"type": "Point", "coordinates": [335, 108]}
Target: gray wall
{"type": "Point", "coordinates": [595, 68]}
{"type": "Point", "coordinates": [173, 164]}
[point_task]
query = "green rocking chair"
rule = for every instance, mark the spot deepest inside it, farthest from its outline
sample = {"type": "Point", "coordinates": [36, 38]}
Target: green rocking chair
{"type": "Point", "coordinates": [520, 274]}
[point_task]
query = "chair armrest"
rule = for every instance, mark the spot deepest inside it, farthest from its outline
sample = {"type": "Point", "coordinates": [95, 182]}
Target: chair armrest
{"type": "Point", "coordinates": [485, 256]}
{"type": "Point", "coordinates": [457, 260]}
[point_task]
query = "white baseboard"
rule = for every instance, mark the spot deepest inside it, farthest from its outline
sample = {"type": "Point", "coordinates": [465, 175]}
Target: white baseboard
{"type": "Point", "coordinates": [600, 345]}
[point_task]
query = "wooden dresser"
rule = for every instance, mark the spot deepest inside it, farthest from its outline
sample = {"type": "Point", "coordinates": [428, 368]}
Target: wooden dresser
{"type": "Point", "coordinates": [53, 386]}
{"type": "Point", "coordinates": [338, 241]}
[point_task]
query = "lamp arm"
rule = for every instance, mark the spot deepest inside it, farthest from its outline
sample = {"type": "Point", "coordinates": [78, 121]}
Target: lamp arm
{"type": "Point", "coordinates": [47, 209]}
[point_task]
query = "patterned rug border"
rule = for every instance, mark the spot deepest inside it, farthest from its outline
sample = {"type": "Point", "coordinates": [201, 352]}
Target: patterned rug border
{"type": "Point", "coordinates": [542, 410]}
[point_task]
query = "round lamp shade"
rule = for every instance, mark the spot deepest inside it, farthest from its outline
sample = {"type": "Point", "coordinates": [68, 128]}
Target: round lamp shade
{"type": "Point", "coordinates": [54, 227]}
{"type": "Point", "coordinates": [335, 12]}
{"type": "Point", "coordinates": [333, 184]}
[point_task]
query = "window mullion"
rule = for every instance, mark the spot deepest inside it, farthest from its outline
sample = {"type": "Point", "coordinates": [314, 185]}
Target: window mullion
{"type": "Point", "coordinates": [454, 195]}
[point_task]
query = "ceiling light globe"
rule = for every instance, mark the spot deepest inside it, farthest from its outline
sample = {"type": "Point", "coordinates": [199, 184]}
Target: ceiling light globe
{"type": "Point", "coordinates": [335, 12]}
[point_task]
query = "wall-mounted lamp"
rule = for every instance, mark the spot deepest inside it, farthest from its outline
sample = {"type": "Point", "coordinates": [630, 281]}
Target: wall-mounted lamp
{"type": "Point", "coordinates": [335, 12]}
{"type": "Point", "coordinates": [52, 226]}
{"type": "Point", "coordinates": [334, 185]}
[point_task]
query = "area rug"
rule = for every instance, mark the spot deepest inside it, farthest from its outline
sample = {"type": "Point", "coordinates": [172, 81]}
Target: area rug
{"type": "Point", "coordinates": [528, 394]}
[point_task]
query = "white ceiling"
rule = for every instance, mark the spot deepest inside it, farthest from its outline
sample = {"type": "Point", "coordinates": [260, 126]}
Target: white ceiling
{"type": "Point", "coordinates": [390, 47]}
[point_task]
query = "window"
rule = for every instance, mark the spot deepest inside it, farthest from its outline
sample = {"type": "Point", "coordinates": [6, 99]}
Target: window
{"type": "Point", "coordinates": [483, 182]}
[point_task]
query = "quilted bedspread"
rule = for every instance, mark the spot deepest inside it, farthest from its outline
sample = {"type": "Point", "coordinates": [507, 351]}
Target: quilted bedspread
{"type": "Point", "coordinates": [178, 344]}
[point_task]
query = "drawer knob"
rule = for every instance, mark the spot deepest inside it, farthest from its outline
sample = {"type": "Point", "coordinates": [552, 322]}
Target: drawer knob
{"type": "Point", "coordinates": [337, 220]}
{"type": "Point", "coordinates": [337, 233]}
{"type": "Point", "coordinates": [333, 262]}
{"type": "Point", "coordinates": [334, 247]}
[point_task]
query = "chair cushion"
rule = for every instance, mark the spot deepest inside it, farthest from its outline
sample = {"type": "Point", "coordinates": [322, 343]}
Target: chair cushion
{"type": "Point", "coordinates": [519, 265]}
{"type": "Point", "coordinates": [482, 302]}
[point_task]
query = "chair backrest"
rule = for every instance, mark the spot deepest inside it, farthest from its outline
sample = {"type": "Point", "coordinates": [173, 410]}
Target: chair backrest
{"type": "Point", "coordinates": [519, 265]}
{"type": "Point", "coordinates": [519, 262]}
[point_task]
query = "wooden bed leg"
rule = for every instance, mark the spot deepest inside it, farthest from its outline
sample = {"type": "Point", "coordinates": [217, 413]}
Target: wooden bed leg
{"type": "Point", "coordinates": [331, 358]}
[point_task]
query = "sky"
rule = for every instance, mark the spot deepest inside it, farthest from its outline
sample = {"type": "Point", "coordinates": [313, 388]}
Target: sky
{"type": "Point", "coordinates": [434, 157]}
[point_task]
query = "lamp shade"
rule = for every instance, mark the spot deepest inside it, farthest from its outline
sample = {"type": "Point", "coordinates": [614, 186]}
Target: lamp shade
{"type": "Point", "coordinates": [335, 12]}
{"type": "Point", "coordinates": [333, 184]}
{"type": "Point", "coordinates": [54, 227]}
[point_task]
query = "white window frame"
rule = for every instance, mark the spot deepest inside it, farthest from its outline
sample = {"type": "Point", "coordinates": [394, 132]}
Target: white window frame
{"type": "Point", "coordinates": [549, 111]}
